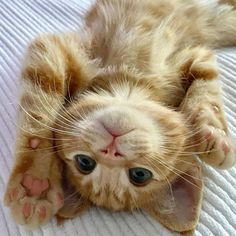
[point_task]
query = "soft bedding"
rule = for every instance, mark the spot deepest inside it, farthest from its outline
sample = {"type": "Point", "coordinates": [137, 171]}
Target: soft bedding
{"type": "Point", "coordinates": [20, 22]}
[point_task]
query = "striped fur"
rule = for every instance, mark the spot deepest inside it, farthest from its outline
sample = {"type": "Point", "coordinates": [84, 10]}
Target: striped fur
{"type": "Point", "coordinates": [154, 74]}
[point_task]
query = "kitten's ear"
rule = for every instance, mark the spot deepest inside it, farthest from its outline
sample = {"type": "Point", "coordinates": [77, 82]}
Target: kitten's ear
{"type": "Point", "coordinates": [179, 210]}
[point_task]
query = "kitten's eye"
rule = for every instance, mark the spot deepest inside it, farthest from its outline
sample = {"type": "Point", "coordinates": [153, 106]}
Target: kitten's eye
{"type": "Point", "coordinates": [84, 163]}
{"type": "Point", "coordinates": [139, 176]}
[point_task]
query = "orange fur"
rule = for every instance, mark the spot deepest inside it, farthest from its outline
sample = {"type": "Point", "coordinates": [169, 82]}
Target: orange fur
{"type": "Point", "coordinates": [144, 69]}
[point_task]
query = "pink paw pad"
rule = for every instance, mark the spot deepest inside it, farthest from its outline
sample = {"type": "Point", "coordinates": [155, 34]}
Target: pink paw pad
{"type": "Point", "coordinates": [225, 146]}
{"type": "Point", "coordinates": [42, 212]}
{"type": "Point", "coordinates": [26, 210]}
{"type": "Point", "coordinates": [209, 135]}
{"type": "Point", "coordinates": [13, 194]}
{"type": "Point", "coordinates": [34, 143]}
{"type": "Point", "coordinates": [34, 185]}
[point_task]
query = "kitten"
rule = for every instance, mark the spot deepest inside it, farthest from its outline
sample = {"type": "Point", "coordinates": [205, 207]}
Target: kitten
{"type": "Point", "coordinates": [124, 103]}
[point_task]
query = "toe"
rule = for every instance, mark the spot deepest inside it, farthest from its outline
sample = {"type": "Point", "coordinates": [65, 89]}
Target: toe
{"type": "Point", "coordinates": [14, 194]}
{"type": "Point", "coordinates": [56, 196]}
{"type": "Point", "coordinates": [225, 146]}
{"type": "Point", "coordinates": [209, 136]}
{"type": "Point", "coordinates": [42, 212]}
{"type": "Point", "coordinates": [26, 210]}
{"type": "Point", "coordinates": [22, 210]}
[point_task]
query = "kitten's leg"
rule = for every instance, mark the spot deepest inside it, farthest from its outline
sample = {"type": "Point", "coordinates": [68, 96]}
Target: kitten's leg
{"type": "Point", "coordinates": [34, 190]}
{"type": "Point", "coordinates": [203, 108]}
{"type": "Point", "coordinates": [222, 24]}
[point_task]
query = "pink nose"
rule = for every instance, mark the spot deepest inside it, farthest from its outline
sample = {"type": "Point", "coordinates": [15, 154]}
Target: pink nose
{"type": "Point", "coordinates": [111, 150]}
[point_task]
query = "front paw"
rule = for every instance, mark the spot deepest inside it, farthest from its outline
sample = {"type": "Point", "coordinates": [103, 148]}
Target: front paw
{"type": "Point", "coordinates": [216, 148]}
{"type": "Point", "coordinates": [33, 199]}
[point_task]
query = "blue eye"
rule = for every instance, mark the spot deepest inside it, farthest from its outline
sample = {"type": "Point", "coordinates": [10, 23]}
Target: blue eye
{"type": "Point", "coordinates": [139, 176]}
{"type": "Point", "coordinates": [84, 163]}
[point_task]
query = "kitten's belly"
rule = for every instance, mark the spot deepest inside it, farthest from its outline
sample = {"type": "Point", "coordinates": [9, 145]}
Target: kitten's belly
{"type": "Point", "coordinates": [142, 42]}
{"type": "Point", "coordinates": [142, 34]}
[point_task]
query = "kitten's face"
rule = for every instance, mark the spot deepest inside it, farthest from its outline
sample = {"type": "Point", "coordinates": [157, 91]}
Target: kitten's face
{"type": "Point", "coordinates": [119, 146]}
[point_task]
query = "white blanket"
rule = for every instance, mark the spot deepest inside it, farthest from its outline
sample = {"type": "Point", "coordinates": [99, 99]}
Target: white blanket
{"type": "Point", "coordinates": [20, 22]}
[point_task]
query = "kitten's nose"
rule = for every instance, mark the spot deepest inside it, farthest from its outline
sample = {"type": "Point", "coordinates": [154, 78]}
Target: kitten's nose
{"type": "Point", "coordinates": [111, 150]}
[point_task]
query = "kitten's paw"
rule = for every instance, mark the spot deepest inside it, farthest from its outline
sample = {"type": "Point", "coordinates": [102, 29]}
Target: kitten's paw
{"type": "Point", "coordinates": [32, 200]}
{"type": "Point", "coordinates": [217, 148]}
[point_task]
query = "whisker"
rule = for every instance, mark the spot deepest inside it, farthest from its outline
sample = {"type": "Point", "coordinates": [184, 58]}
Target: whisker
{"type": "Point", "coordinates": [166, 179]}
{"type": "Point", "coordinates": [174, 171]}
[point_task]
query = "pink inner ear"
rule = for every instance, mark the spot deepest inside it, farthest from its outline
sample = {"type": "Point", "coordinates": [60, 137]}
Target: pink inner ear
{"type": "Point", "coordinates": [184, 198]}
{"type": "Point", "coordinates": [186, 190]}
{"type": "Point", "coordinates": [179, 209]}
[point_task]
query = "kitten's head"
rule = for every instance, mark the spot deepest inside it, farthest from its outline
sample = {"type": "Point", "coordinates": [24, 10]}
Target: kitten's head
{"type": "Point", "coordinates": [120, 146]}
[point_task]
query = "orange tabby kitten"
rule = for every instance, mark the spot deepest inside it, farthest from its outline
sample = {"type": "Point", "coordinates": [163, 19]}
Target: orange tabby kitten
{"type": "Point", "coordinates": [125, 103]}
